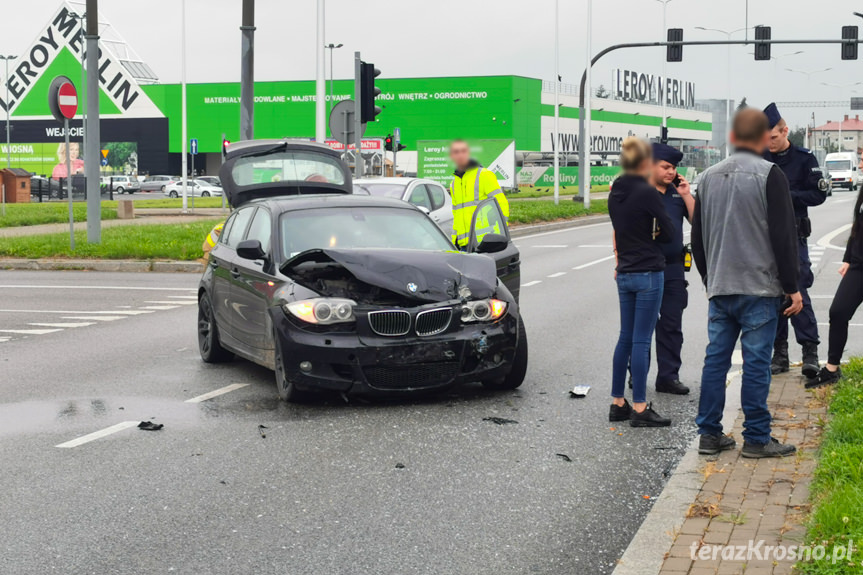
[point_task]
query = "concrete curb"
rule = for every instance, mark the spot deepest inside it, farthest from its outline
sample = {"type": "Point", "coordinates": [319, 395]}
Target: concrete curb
{"type": "Point", "coordinates": [646, 552]}
{"type": "Point", "coordinates": [521, 231]}
{"type": "Point", "coordinates": [102, 265]}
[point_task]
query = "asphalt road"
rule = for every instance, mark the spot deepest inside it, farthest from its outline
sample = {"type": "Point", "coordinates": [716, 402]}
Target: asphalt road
{"type": "Point", "coordinates": [335, 487]}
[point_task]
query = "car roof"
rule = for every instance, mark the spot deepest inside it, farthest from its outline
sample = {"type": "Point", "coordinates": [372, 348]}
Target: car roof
{"type": "Point", "coordinates": [392, 180]}
{"type": "Point", "coordinates": [281, 204]}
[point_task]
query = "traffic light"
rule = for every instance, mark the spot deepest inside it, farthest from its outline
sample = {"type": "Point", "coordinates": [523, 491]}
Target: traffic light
{"type": "Point", "coordinates": [225, 143]}
{"type": "Point", "coordinates": [675, 53]}
{"type": "Point", "coordinates": [762, 49]}
{"type": "Point", "coordinates": [849, 49]}
{"type": "Point", "coordinates": [388, 143]}
{"type": "Point", "coordinates": [368, 92]}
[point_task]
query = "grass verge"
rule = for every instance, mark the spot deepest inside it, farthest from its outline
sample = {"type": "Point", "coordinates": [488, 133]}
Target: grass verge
{"type": "Point", "coordinates": [548, 191]}
{"type": "Point", "coordinates": [150, 242]}
{"type": "Point", "coordinates": [167, 203]}
{"type": "Point", "coordinates": [49, 213]}
{"type": "Point", "coordinates": [837, 490]}
{"type": "Point", "coordinates": [545, 211]}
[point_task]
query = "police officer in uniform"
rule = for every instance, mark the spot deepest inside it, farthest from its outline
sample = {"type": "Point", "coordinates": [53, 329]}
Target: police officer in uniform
{"type": "Point", "coordinates": [808, 189]}
{"type": "Point", "coordinates": [680, 205]}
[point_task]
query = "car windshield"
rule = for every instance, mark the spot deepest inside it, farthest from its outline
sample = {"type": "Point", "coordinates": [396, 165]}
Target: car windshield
{"type": "Point", "coordinates": [388, 190]}
{"type": "Point", "coordinates": [366, 227]}
{"type": "Point", "coordinates": [838, 165]}
{"type": "Point", "coordinates": [287, 167]}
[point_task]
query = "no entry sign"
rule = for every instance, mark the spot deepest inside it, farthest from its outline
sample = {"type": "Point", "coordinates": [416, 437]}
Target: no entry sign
{"type": "Point", "coordinates": [63, 99]}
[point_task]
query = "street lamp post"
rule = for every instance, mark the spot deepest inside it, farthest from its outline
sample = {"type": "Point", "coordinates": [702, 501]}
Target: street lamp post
{"type": "Point", "coordinates": [556, 136]}
{"type": "Point", "coordinates": [331, 48]}
{"type": "Point", "coordinates": [8, 113]}
{"type": "Point", "coordinates": [662, 91]}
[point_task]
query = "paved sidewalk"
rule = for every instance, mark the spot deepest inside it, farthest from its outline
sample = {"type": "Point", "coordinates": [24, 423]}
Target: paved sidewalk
{"type": "Point", "coordinates": [747, 501]}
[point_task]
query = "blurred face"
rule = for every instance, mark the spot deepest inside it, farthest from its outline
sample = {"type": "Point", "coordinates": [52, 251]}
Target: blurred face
{"type": "Point", "coordinates": [778, 139]}
{"type": "Point", "coordinates": [646, 168]}
{"type": "Point", "coordinates": [459, 153]}
{"type": "Point", "coordinates": [663, 173]}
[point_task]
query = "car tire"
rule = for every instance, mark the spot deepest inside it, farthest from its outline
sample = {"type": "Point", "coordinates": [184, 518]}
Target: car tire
{"type": "Point", "coordinates": [519, 364]}
{"type": "Point", "coordinates": [120, 190]}
{"type": "Point", "coordinates": [173, 194]}
{"type": "Point", "coordinates": [205, 194]}
{"type": "Point", "coordinates": [208, 333]}
{"type": "Point", "coordinates": [163, 189]}
{"type": "Point", "coordinates": [287, 390]}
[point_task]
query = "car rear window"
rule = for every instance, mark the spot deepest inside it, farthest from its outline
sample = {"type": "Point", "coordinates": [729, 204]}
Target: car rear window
{"type": "Point", "coordinates": [287, 167]}
{"type": "Point", "coordinates": [387, 190]}
{"type": "Point", "coordinates": [365, 227]}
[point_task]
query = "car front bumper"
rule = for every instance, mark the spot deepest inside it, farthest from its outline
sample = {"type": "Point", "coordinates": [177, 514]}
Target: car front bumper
{"type": "Point", "coordinates": [396, 366]}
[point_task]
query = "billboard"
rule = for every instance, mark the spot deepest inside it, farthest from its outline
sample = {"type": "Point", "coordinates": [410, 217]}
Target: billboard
{"type": "Point", "coordinates": [496, 155]}
{"type": "Point", "coordinates": [49, 158]}
{"type": "Point", "coordinates": [542, 176]}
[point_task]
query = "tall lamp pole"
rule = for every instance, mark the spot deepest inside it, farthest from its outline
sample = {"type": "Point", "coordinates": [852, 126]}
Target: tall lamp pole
{"type": "Point", "coordinates": [662, 91]}
{"type": "Point", "coordinates": [320, 80]}
{"type": "Point", "coordinates": [8, 113]}
{"type": "Point", "coordinates": [556, 136]}
{"type": "Point", "coordinates": [331, 48]}
{"type": "Point", "coordinates": [92, 128]}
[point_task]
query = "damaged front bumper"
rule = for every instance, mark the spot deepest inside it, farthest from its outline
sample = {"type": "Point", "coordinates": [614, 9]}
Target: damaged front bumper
{"type": "Point", "coordinates": [361, 362]}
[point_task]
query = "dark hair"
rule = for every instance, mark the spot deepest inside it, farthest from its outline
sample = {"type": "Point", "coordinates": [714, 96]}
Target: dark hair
{"type": "Point", "coordinates": [633, 153]}
{"type": "Point", "coordinates": [749, 126]}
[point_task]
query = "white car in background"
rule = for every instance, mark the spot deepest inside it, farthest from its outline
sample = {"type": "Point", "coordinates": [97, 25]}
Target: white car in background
{"type": "Point", "coordinates": [196, 188]}
{"type": "Point", "coordinates": [428, 195]}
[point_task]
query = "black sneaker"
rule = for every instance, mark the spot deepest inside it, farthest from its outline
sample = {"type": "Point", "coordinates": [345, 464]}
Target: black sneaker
{"type": "Point", "coordinates": [780, 363]}
{"type": "Point", "coordinates": [648, 418]}
{"type": "Point", "coordinates": [810, 360]}
{"type": "Point", "coordinates": [619, 412]}
{"type": "Point", "coordinates": [672, 387]}
{"type": "Point", "coordinates": [770, 449]}
{"type": "Point", "coordinates": [713, 444]}
{"type": "Point", "coordinates": [824, 377]}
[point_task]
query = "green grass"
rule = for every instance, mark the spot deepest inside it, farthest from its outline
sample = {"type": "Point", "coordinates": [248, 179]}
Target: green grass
{"type": "Point", "coordinates": [170, 203]}
{"type": "Point", "coordinates": [548, 191]}
{"type": "Point", "coordinates": [545, 211]}
{"type": "Point", "coordinates": [837, 490]}
{"type": "Point", "coordinates": [49, 213]}
{"type": "Point", "coordinates": [138, 242]}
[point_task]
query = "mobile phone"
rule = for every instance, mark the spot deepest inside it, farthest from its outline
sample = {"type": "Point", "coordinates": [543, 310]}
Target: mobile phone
{"type": "Point", "coordinates": [676, 180]}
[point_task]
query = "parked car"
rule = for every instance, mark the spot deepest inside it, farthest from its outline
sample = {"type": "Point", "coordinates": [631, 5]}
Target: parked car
{"type": "Point", "coordinates": [157, 183]}
{"type": "Point", "coordinates": [842, 167]}
{"type": "Point", "coordinates": [44, 188]}
{"type": "Point", "coordinates": [428, 195]}
{"type": "Point", "coordinates": [121, 184]}
{"type": "Point", "coordinates": [212, 180]}
{"type": "Point", "coordinates": [350, 293]}
{"type": "Point", "coordinates": [194, 188]}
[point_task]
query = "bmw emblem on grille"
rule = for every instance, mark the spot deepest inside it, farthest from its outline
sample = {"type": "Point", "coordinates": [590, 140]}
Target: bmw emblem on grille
{"type": "Point", "coordinates": [412, 287]}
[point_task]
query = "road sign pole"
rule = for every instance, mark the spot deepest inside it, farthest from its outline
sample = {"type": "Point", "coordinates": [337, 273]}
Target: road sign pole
{"type": "Point", "coordinates": [92, 131]}
{"type": "Point", "coordinates": [222, 142]}
{"type": "Point", "coordinates": [358, 121]}
{"type": "Point", "coordinates": [69, 188]}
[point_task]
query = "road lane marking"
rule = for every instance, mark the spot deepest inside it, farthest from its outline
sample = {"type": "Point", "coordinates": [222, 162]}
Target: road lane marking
{"type": "Point", "coordinates": [61, 312]}
{"type": "Point", "coordinates": [174, 303]}
{"type": "Point", "coordinates": [97, 317]}
{"type": "Point", "coordinates": [599, 261]}
{"type": "Point", "coordinates": [824, 242]}
{"type": "Point", "coordinates": [606, 246]}
{"type": "Point", "coordinates": [540, 234]}
{"type": "Point", "coordinates": [216, 393]}
{"type": "Point", "coordinates": [159, 307]}
{"type": "Point", "coordinates": [98, 434]}
{"type": "Point", "coordinates": [22, 286]}
{"type": "Point", "coordinates": [194, 297]}
{"type": "Point", "coordinates": [30, 331]}
{"type": "Point", "coordinates": [63, 325]}
{"type": "Point", "coordinates": [557, 275]}
{"type": "Point", "coordinates": [849, 325]}
{"type": "Point", "coordinates": [550, 246]}
{"type": "Point", "coordinates": [533, 283]}
{"type": "Point", "coordinates": [4, 339]}
{"type": "Point", "coordinates": [737, 357]}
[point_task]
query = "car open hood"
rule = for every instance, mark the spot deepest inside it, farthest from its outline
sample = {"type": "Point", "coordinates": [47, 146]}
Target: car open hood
{"type": "Point", "coordinates": [423, 276]}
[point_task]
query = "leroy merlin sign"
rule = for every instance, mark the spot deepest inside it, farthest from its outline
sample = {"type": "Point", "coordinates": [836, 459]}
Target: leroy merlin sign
{"type": "Point", "coordinates": [57, 51]}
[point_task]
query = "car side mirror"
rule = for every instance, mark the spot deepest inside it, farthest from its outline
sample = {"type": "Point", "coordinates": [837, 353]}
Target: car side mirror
{"type": "Point", "coordinates": [251, 250]}
{"type": "Point", "coordinates": [492, 243]}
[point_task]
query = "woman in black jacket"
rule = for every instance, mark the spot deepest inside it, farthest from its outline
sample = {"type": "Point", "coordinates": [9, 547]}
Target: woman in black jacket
{"type": "Point", "coordinates": [849, 296]}
{"type": "Point", "coordinates": [640, 222]}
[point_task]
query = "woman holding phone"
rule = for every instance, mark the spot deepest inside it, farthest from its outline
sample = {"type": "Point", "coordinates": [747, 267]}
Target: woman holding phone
{"type": "Point", "coordinates": [849, 296]}
{"type": "Point", "coordinates": [640, 223]}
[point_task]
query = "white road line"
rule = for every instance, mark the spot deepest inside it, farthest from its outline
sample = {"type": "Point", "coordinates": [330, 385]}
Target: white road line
{"type": "Point", "coordinates": [820, 296]}
{"type": "Point", "coordinates": [4, 339]}
{"type": "Point", "coordinates": [174, 302]}
{"type": "Point", "coordinates": [550, 246]}
{"type": "Point", "coordinates": [98, 434]}
{"type": "Point", "coordinates": [849, 325]}
{"type": "Point", "coordinates": [97, 317]}
{"type": "Point", "coordinates": [63, 325]}
{"type": "Point", "coordinates": [539, 235]}
{"type": "Point", "coordinates": [30, 331]}
{"type": "Point", "coordinates": [159, 307]}
{"type": "Point", "coordinates": [824, 242]}
{"type": "Point", "coordinates": [557, 275]}
{"type": "Point", "coordinates": [737, 357]}
{"type": "Point", "coordinates": [61, 312]}
{"type": "Point", "coordinates": [194, 297]}
{"type": "Point", "coordinates": [606, 246]}
{"type": "Point", "coordinates": [22, 286]}
{"type": "Point", "coordinates": [588, 264]}
{"type": "Point", "coordinates": [217, 392]}
{"type": "Point", "coordinates": [533, 283]}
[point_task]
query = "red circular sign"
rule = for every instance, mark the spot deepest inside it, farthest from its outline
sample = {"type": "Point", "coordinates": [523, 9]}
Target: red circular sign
{"type": "Point", "coordinates": [67, 99]}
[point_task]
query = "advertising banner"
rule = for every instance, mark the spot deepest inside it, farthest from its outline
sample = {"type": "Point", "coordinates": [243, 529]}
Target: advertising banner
{"type": "Point", "coordinates": [49, 159]}
{"type": "Point", "coordinates": [541, 176]}
{"type": "Point", "coordinates": [496, 155]}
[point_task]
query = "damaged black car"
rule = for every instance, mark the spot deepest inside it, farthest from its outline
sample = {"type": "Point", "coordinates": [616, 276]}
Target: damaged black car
{"type": "Point", "coordinates": [354, 294]}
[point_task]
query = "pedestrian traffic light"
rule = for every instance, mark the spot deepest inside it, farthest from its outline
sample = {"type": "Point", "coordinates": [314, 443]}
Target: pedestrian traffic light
{"type": "Point", "coordinates": [849, 49]}
{"type": "Point", "coordinates": [225, 144]}
{"type": "Point", "coordinates": [368, 92]}
{"type": "Point", "coordinates": [388, 143]}
{"type": "Point", "coordinates": [762, 49]}
{"type": "Point", "coordinates": [675, 52]}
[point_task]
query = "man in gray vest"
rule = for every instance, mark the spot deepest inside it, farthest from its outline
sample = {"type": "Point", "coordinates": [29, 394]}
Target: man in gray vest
{"type": "Point", "coordinates": [744, 242]}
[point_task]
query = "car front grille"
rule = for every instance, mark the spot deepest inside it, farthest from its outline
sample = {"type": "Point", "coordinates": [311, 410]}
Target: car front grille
{"type": "Point", "coordinates": [414, 376]}
{"type": "Point", "coordinates": [390, 322]}
{"type": "Point", "coordinates": [433, 321]}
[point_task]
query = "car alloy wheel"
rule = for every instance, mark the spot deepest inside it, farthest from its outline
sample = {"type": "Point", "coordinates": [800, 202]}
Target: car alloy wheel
{"type": "Point", "coordinates": [208, 334]}
{"type": "Point", "coordinates": [173, 194]}
{"type": "Point", "coordinates": [163, 189]}
{"type": "Point", "coordinates": [120, 190]}
{"type": "Point", "coordinates": [205, 194]}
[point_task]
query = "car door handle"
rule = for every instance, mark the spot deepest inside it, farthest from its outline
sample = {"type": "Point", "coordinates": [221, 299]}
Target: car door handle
{"type": "Point", "coordinates": [214, 263]}
{"type": "Point", "coordinates": [235, 273]}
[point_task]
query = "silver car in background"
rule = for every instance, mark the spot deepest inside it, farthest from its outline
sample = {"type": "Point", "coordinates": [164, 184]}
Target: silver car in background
{"type": "Point", "coordinates": [427, 195]}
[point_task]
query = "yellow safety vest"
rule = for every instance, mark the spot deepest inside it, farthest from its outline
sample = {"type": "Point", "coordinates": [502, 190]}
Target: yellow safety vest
{"type": "Point", "coordinates": [213, 237]}
{"type": "Point", "coordinates": [467, 191]}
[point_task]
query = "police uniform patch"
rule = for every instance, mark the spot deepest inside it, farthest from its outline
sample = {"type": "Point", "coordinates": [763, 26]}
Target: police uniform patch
{"type": "Point", "coordinates": [823, 185]}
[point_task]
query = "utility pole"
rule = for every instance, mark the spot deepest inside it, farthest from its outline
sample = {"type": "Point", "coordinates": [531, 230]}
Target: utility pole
{"type": "Point", "coordinates": [556, 137]}
{"type": "Point", "coordinates": [358, 117]}
{"type": "Point", "coordinates": [184, 111]}
{"type": "Point", "coordinates": [584, 124]}
{"type": "Point", "coordinates": [247, 72]}
{"type": "Point", "coordinates": [662, 91]}
{"type": "Point", "coordinates": [320, 77]}
{"type": "Point", "coordinates": [332, 48]}
{"type": "Point", "coordinates": [92, 132]}
{"type": "Point", "coordinates": [8, 131]}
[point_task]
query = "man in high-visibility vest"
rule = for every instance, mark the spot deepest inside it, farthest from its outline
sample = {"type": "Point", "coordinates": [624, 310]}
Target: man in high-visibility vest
{"type": "Point", "coordinates": [472, 184]}
{"type": "Point", "coordinates": [212, 239]}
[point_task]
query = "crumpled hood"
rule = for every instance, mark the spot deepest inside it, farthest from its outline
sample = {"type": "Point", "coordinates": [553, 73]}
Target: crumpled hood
{"type": "Point", "coordinates": [436, 276]}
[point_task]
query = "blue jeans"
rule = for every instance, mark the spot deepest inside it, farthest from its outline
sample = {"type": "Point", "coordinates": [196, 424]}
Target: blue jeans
{"type": "Point", "coordinates": [640, 297]}
{"type": "Point", "coordinates": [753, 319]}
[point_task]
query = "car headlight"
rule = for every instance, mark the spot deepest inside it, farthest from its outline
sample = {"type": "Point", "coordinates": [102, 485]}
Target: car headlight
{"type": "Point", "coordinates": [483, 310]}
{"type": "Point", "coordinates": [323, 311]}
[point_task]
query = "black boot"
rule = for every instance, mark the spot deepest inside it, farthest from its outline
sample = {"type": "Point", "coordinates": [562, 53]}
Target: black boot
{"type": "Point", "coordinates": [780, 363]}
{"type": "Point", "coordinates": [672, 387]}
{"type": "Point", "coordinates": [825, 377]}
{"type": "Point", "coordinates": [713, 444]}
{"type": "Point", "coordinates": [810, 359]}
{"type": "Point", "coordinates": [648, 418]}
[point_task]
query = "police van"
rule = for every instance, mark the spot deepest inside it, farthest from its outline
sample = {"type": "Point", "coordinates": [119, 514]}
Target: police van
{"type": "Point", "coordinates": [842, 167]}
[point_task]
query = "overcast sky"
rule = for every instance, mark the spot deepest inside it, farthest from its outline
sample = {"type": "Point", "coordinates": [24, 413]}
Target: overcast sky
{"type": "Point", "coordinates": [413, 38]}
